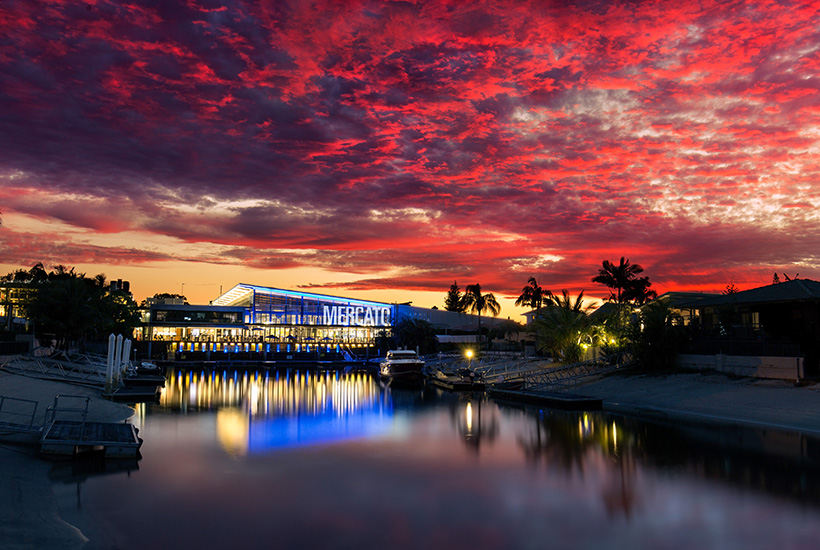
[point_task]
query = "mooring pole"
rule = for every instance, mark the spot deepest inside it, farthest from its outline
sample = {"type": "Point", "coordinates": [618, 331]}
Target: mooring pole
{"type": "Point", "coordinates": [109, 369]}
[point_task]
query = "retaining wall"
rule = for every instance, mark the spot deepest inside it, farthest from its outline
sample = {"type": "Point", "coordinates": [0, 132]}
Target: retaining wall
{"type": "Point", "coordinates": [781, 368]}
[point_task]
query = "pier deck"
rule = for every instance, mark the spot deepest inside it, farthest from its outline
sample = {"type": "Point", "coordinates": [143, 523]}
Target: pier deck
{"type": "Point", "coordinates": [69, 437]}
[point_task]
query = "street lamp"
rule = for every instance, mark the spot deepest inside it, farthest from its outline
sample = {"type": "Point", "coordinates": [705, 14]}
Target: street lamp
{"type": "Point", "coordinates": [469, 358]}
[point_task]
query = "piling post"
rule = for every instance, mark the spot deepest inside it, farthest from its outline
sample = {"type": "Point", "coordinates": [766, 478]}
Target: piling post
{"type": "Point", "coordinates": [126, 355]}
{"type": "Point", "coordinates": [117, 360]}
{"type": "Point", "coordinates": [109, 369]}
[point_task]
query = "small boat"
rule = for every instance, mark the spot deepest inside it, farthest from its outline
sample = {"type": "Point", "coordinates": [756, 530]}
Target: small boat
{"type": "Point", "coordinates": [402, 366]}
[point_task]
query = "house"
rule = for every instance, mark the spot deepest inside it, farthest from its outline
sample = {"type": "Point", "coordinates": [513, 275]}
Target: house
{"type": "Point", "coordinates": [771, 331]}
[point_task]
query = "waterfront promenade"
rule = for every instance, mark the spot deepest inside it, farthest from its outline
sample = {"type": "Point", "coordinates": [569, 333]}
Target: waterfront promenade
{"type": "Point", "coordinates": [711, 397]}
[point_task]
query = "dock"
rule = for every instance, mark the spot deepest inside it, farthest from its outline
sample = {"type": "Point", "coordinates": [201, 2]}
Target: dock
{"type": "Point", "coordinates": [71, 437]}
{"type": "Point", "coordinates": [135, 394]}
{"type": "Point", "coordinates": [455, 384]}
{"type": "Point", "coordinates": [67, 432]}
{"type": "Point", "coordinates": [555, 400]}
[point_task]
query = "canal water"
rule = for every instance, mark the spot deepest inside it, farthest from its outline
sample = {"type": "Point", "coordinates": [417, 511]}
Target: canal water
{"type": "Point", "coordinates": [333, 459]}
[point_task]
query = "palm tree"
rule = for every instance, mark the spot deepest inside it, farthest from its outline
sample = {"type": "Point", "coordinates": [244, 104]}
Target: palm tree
{"type": "Point", "coordinates": [533, 295]}
{"type": "Point", "coordinates": [659, 336]}
{"type": "Point", "coordinates": [100, 280]}
{"type": "Point", "coordinates": [638, 291]}
{"type": "Point", "coordinates": [564, 327]}
{"type": "Point", "coordinates": [477, 302]}
{"type": "Point", "coordinates": [618, 277]}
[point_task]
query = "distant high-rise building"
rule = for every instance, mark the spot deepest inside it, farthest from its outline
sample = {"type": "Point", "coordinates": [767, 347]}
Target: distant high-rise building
{"type": "Point", "coordinates": [119, 284]}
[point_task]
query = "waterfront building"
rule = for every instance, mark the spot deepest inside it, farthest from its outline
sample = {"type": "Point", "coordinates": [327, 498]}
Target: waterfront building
{"type": "Point", "coordinates": [264, 323]}
{"type": "Point", "coordinates": [13, 299]}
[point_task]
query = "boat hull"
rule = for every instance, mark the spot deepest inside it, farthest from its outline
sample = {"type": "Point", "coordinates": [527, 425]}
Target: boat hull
{"type": "Point", "coordinates": [402, 369]}
{"type": "Point", "coordinates": [402, 372]}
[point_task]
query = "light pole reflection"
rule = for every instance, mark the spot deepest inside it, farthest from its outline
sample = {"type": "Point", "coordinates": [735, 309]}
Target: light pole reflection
{"type": "Point", "coordinates": [473, 428]}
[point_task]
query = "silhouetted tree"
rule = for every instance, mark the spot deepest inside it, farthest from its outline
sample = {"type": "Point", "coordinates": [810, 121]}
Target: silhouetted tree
{"type": "Point", "coordinates": [658, 336]}
{"type": "Point", "coordinates": [478, 302]}
{"type": "Point", "coordinates": [731, 289]}
{"type": "Point", "coordinates": [532, 295]}
{"type": "Point", "coordinates": [454, 301]}
{"type": "Point", "coordinates": [618, 277]}
{"type": "Point", "coordinates": [75, 308]}
{"type": "Point", "coordinates": [638, 291]}
{"type": "Point", "coordinates": [563, 327]}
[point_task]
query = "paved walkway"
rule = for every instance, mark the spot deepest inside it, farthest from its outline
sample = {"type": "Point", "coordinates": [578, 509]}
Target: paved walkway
{"type": "Point", "coordinates": [711, 397]}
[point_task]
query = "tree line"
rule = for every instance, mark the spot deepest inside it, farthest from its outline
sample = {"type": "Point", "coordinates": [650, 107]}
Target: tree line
{"type": "Point", "coordinates": [70, 308]}
{"type": "Point", "coordinates": [564, 329]}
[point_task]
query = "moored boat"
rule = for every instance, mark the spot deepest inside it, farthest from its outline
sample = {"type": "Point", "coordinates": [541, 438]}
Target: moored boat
{"type": "Point", "coordinates": [402, 365]}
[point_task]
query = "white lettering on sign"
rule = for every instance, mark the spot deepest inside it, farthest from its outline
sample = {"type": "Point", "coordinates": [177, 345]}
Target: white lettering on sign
{"type": "Point", "coordinates": [356, 316]}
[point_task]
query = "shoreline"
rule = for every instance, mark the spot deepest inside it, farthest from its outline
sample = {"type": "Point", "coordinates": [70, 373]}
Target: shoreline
{"type": "Point", "coordinates": [29, 508]}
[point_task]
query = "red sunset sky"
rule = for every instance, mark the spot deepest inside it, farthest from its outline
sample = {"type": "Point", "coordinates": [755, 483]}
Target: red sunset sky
{"type": "Point", "coordinates": [384, 149]}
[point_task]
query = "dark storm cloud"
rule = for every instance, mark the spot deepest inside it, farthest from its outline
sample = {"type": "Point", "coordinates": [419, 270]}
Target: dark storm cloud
{"type": "Point", "coordinates": [433, 138]}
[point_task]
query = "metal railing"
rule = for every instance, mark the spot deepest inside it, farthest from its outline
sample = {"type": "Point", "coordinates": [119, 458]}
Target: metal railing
{"type": "Point", "coordinates": [76, 407]}
{"type": "Point", "coordinates": [566, 376]}
{"type": "Point", "coordinates": [17, 415]}
{"type": "Point", "coordinates": [51, 364]}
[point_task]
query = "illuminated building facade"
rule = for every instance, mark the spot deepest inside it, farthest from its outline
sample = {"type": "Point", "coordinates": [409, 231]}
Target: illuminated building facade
{"type": "Point", "coordinates": [257, 322]}
{"type": "Point", "coordinates": [252, 322]}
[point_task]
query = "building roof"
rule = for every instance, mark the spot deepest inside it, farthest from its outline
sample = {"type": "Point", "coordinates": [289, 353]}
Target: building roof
{"type": "Point", "coordinates": [685, 300]}
{"type": "Point", "coordinates": [795, 290]}
{"type": "Point", "coordinates": [604, 310]}
{"type": "Point", "coordinates": [243, 291]}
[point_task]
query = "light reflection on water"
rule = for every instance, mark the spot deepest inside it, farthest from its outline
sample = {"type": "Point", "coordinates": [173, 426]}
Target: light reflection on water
{"type": "Point", "coordinates": [261, 410]}
{"type": "Point", "coordinates": [334, 460]}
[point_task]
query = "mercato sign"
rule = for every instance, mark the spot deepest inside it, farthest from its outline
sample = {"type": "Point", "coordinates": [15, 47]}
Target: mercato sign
{"type": "Point", "coordinates": [357, 316]}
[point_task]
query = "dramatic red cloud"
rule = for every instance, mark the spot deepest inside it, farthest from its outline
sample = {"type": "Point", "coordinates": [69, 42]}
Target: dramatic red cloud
{"type": "Point", "coordinates": [405, 145]}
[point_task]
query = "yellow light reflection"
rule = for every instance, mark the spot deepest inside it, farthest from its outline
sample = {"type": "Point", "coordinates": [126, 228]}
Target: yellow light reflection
{"type": "Point", "coordinates": [614, 437]}
{"type": "Point", "coordinates": [232, 431]}
{"type": "Point", "coordinates": [240, 397]}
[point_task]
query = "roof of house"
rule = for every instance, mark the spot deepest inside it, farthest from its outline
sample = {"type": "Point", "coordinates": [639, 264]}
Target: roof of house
{"type": "Point", "coordinates": [795, 290]}
{"type": "Point", "coordinates": [604, 310]}
{"type": "Point", "coordinates": [676, 299]}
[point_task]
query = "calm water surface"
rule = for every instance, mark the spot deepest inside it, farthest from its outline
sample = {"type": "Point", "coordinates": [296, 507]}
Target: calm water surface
{"type": "Point", "coordinates": [306, 459]}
